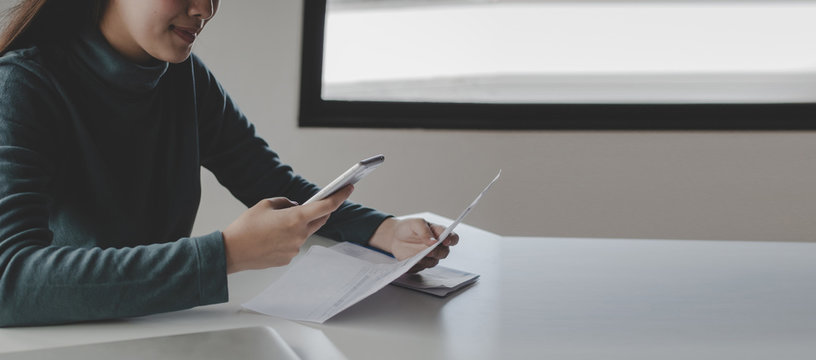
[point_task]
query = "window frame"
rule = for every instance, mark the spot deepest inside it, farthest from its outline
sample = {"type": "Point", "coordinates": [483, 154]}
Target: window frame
{"type": "Point", "coordinates": [314, 111]}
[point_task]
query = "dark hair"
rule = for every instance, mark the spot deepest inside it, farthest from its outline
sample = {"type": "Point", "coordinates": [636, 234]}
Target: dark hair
{"type": "Point", "coordinates": [37, 22]}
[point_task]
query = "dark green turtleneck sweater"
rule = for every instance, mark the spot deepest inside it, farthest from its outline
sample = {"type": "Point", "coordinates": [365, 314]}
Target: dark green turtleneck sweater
{"type": "Point", "coordinates": [100, 183]}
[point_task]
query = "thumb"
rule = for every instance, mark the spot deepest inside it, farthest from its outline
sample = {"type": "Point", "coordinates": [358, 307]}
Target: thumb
{"type": "Point", "coordinates": [428, 233]}
{"type": "Point", "coordinates": [278, 203]}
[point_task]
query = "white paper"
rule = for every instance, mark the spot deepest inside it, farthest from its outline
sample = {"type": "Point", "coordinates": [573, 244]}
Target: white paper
{"type": "Point", "coordinates": [362, 253]}
{"type": "Point", "coordinates": [326, 281]}
{"type": "Point", "coordinates": [450, 228]}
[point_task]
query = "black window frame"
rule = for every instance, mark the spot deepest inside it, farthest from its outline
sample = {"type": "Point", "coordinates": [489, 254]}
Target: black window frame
{"type": "Point", "coordinates": [316, 112]}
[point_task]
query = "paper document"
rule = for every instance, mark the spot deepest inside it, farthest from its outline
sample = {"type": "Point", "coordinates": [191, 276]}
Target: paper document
{"type": "Point", "coordinates": [326, 281]}
{"type": "Point", "coordinates": [438, 280]}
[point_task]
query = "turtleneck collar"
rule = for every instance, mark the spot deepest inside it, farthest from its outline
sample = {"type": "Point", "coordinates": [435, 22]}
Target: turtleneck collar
{"type": "Point", "coordinates": [115, 69]}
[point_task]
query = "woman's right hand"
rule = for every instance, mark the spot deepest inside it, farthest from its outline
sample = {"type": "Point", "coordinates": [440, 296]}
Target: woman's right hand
{"type": "Point", "coordinates": [271, 232]}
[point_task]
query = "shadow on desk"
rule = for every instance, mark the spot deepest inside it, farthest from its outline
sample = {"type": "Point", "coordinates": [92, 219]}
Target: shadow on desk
{"type": "Point", "coordinates": [389, 305]}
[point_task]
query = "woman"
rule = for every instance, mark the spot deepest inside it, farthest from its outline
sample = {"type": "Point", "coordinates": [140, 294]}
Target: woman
{"type": "Point", "coordinates": [105, 120]}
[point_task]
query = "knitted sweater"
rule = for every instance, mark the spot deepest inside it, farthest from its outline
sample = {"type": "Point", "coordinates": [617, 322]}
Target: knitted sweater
{"type": "Point", "coordinates": [100, 183]}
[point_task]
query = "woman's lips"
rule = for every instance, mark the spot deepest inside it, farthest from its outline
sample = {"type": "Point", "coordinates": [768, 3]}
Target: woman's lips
{"type": "Point", "coordinates": [186, 34]}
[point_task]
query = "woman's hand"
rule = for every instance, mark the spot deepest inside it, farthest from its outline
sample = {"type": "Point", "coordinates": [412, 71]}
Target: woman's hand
{"type": "Point", "coordinates": [271, 232]}
{"type": "Point", "coordinates": [407, 237]}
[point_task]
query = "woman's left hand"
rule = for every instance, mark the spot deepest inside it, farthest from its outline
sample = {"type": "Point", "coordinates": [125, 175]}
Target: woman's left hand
{"type": "Point", "coordinates": [407, 237]}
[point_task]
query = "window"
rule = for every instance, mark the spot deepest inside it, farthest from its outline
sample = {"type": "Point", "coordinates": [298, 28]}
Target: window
{"type": "Point", "coordinates": [559, 64]}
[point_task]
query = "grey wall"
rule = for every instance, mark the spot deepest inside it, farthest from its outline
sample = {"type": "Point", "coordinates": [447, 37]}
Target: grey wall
{"type": "Point", "coordinates": [687, 185]}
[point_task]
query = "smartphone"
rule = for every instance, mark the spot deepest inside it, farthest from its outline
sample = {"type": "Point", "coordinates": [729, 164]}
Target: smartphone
{"type": "Point", "coordinates": [351, 176]}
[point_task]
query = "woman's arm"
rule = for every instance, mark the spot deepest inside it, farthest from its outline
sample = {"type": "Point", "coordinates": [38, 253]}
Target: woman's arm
{"type": "Point", "coordinates": [244, 163]}
{"type": "Point", "coordinates": [43, 283]}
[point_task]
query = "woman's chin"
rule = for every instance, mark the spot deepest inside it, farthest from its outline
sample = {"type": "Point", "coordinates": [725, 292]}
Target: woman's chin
{"type": "Point", "coordinates": [174, 57]}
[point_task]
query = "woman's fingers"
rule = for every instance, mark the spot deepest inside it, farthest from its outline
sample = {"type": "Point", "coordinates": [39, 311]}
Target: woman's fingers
{"type": "Point", "coordinates": [440, 252]}
{"type": "Point", "coordinates": [451, 240]}
{"type": "Point", "coordinates": [423, 264]}
{"type": "Point", "coordinates": [316, 224]}
{"type": "Point", "coordinates": [323, 207]}
{"type": "Point", "coordinates": [280, 203]}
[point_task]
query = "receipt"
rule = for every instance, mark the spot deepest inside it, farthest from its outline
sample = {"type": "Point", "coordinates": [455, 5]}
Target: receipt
{"type": "Point", "coordinates": [326, 281]}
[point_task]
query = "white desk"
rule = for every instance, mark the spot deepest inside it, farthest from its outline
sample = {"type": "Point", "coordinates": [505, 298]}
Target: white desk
{"type": "Point", "coordinates": [540, 298]}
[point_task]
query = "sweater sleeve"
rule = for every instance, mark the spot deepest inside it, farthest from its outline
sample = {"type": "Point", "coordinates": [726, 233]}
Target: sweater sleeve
{"type": "Point", "coordinates": [44, 283]}
{"type": "Point", "coordinates": [244, 163]}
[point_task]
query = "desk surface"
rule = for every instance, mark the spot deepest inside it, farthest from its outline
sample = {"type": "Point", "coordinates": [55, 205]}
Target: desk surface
{"type": "Point", "coordinates": [564, 298]}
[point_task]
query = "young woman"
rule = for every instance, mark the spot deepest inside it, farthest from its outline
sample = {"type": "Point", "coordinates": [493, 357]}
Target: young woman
{"type": "Point", "coordinates": [105, 120]}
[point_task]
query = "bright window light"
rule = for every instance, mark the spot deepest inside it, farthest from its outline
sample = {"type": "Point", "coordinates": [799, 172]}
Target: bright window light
{"type": "Point", "coordinates": [561, 52]}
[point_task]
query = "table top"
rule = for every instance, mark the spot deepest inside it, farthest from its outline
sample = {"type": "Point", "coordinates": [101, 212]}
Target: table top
{"type": "Point", "coordinates": [565, 298]}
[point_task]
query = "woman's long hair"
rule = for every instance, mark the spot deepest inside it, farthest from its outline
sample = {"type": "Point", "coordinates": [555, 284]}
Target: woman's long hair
{"type": "Point", "coordinates": [37, 22]}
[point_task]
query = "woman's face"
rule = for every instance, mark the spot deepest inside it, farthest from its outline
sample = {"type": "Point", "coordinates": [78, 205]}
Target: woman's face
{"type": "Point", "coordinates": [162, 29]}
